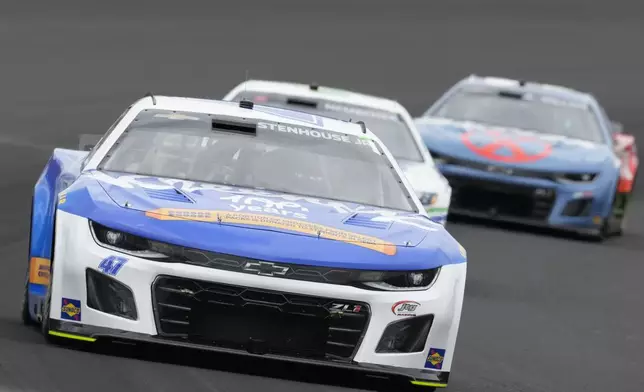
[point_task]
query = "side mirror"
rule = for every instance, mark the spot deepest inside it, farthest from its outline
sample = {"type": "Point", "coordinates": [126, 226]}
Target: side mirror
{"type": "Point", "coordinates": [88, 142]}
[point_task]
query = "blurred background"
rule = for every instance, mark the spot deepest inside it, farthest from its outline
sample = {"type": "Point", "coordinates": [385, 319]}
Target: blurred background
{"type": "Point", "coordinates": [542, 312]}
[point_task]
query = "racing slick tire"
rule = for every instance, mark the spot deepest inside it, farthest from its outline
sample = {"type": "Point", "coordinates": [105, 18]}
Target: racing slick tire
{"type": "Point", "coordinates": [622, 224]}
{"type": "Point", "coordinates": [611, 226]}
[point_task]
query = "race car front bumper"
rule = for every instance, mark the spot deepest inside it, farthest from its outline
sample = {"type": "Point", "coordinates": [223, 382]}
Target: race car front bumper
{"type": "Point", "coordinates": [93, 334]}
{"type": "Point", "coordinates": [581, 207]}
{"type": "Point", "coordinates": [156, 303]}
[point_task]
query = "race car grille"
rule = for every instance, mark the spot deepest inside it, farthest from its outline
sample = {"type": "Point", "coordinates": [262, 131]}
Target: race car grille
{"type": "Point", "coordinates": [496, 199]}
{"type": "Point", "coordinates": [204, 258]}
{"type": "Point", "coordinates": [257, 320]}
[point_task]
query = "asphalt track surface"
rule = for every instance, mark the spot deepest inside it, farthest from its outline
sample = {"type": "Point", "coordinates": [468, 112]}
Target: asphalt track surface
{"type": "Point", "coordinates": [543, 312]}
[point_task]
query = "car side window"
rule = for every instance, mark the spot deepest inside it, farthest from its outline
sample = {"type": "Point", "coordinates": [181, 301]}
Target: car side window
{"type": "Point", "coordinates": [105, 135]}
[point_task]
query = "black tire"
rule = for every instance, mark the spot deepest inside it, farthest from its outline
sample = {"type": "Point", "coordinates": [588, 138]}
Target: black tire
{"type": "Point", "coordinates": [601, 234]}
{"type": "Point", "coordinates": [619, 230]}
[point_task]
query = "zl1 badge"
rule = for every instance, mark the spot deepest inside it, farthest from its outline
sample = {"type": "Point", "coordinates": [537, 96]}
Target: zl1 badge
{"type": "Point", "coordinates": [112, 265]}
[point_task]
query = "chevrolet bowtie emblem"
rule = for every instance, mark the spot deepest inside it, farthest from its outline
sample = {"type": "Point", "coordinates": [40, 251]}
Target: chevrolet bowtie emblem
{"type": "Point", "coordinates": [265, 268]}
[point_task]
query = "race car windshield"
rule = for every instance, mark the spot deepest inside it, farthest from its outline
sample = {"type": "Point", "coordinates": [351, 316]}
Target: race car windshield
{"type": "Point", "coordinates": [388, 126]}
{"type": "Point", "coordinates": [540, 115]}
{"type": "Point", "coordinates": [282, 158]}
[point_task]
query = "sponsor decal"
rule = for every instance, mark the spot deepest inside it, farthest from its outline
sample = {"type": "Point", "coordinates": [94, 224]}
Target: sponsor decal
{"type": "Point", "coordinates": [111, 265]}
{"type": "Point", "coordinates": [250, 203]}
{"type": "Point", "coordinates": [70, 309]}
{"type": "Point", "coordinates": [39, 271]}
{"type": "Point", "coordinates": [435, 358]}
{"type": "Point", "coordinates": [503, 147]}
{"type": "Point", "coordinates": [318, 134]}
{"type": "Point", "coordinates": [275, 222]}
{"type": "Point", "coordinates": [405, 308]}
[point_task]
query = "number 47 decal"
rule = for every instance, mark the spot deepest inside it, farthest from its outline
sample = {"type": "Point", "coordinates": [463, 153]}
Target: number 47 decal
{"type": "Point", "coordinates": [112, 265]}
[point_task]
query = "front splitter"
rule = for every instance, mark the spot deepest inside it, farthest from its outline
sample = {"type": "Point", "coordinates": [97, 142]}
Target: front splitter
{"type": "Point", "coordinates": [91, 334]}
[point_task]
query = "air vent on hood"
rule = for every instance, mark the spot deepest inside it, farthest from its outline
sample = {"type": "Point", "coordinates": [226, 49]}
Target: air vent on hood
{"type": "Point", "coordinates": [168, 194]}
{"type": "Point", "coordinates": [366, 220]}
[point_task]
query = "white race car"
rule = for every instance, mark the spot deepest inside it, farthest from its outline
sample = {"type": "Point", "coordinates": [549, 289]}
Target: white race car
{"type": "Point", "coordinates": [231, 227]}
{"type": "Point", "coordinates": [388, 119]}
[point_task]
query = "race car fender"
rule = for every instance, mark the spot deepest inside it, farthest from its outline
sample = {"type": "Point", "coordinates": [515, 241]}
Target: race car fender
{"type": "Point", "coordinates": [62, 168]}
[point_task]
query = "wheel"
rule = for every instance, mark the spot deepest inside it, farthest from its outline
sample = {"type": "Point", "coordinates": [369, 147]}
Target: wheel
{"type": "Point", "coordinates": [601, 234]}
{"type": "Point", "coordinates": [621, 202]}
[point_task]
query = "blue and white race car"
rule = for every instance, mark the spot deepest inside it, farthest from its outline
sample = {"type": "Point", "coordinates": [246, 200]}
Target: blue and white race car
{"type": "Point", "coordinates": [229, 227]}
{"type": "Point", "coordinates": [529, 153]}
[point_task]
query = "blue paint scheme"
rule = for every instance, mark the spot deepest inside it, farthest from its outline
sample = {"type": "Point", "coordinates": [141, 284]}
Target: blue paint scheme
{"type": "Point", "coordinates": [60, 171]}
{"type": "Point", "coordinates": [99, 197]}
{"type": "Point", "coordinates": [445, 137]}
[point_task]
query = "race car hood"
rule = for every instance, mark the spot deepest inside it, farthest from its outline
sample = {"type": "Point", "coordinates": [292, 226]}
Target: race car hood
{"type": "Point", "coordinates": [262, 225]}
{"type": "Point", "coordinates": [510, 146]}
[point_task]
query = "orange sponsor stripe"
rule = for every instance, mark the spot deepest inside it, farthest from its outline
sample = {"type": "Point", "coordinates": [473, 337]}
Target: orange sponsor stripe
{"type": "Point", "coordinates": [275, 222]}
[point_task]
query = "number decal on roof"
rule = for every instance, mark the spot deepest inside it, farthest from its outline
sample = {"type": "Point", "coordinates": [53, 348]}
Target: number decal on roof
{"type": "Point", "coordinates": [292, 115]}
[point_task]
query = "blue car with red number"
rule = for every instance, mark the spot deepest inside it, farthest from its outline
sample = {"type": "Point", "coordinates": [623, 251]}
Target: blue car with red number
{"type": "Point", "coordinates": [531, 153]}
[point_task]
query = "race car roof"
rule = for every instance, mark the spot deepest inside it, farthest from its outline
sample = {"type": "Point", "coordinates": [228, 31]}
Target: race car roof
{"type": "Point", "coordinates": [551, 90]}
{"type": "Point", "coordinates": [320, 92]}
{"type": "Point", "coordinates": [258, 112]}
